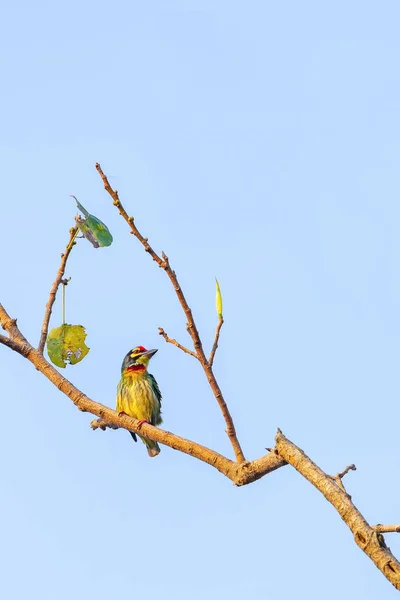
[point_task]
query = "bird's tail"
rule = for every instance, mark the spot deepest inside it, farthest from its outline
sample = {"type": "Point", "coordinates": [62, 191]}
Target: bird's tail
{"type": "Point", "coordinates": [152, 447]}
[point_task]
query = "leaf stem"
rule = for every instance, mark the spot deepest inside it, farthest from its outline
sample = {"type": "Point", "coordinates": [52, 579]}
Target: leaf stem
{"type": "Point", "coordinates": [63, 303]}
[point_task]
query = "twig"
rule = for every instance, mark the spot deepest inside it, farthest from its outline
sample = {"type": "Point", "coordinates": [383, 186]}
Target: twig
{"type": "Point", "coordinates": [365, 536]}
{"type": "Point", "coordinates": [175, 343]}
{"type": "Point", "coordinates": [101, 424]}
{"type": "Point", "coordinates": [339, 476]}
{"type": "Point", "coordinates": [216, 339]}
{"type": "Point", "coordinates": [53, 292]}
{"type": "Point", "coordinates": [239, 473]}
{"type": "Point", "coordinates": [386, 528]}
{"type": "Point", "coordinates": [10, 325]}
{"type": "Point", "coordinates": [13, 344]}
{"type": "Point", "coordinates": [163, 263]}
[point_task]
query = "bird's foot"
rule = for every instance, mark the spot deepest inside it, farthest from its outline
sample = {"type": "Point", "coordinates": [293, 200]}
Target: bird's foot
{"type": "Point", "coordinates": [122, 413]}
{"type": "Point", "coordinates": [140, 423]}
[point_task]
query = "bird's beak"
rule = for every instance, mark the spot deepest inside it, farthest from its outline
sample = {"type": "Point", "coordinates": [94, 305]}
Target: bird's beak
{"type": "Point", "coordinates": [149, 353]}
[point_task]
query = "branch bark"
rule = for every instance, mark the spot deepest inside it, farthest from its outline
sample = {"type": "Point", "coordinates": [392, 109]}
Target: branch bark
{"type": "Point", "coordinates": [163, 263]}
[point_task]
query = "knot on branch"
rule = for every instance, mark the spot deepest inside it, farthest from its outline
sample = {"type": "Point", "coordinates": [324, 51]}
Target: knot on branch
{"type": "Point", "coordinates": [102, 424]}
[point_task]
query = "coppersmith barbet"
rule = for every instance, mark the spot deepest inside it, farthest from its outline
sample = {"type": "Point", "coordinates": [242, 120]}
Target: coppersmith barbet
{"type": "Point", "coordinates": [138, 394]}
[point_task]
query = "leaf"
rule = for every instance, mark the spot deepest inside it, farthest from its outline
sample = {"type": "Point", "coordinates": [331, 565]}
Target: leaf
{"type": "Point", "coordinates": [218, 299]}
{"type": "Point", "coordinates": [94, 230]}
{"type": "Point", "coordinates": [66, 345]}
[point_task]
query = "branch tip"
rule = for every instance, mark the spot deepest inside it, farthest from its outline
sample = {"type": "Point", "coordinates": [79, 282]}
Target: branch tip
{"type": "Point", "coordinates": [175, 343]}
{"type": "Point", "coordinates": [339, 476]}
{"type": "Point", "coordinates": [54, 288]}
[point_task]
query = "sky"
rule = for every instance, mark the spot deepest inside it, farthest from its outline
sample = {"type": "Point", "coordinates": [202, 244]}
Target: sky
{"type": "Point", "coordinates": [255, 142]}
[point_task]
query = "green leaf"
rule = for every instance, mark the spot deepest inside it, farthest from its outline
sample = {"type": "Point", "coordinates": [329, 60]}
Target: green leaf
{"type": "Point", "coordinates": [66, 345]}
{"type": "Point", "coordinates": [94, 230]}
{"type": "Point", "coordinates": [218, 299]}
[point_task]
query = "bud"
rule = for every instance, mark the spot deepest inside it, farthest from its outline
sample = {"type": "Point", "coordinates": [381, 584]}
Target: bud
{"type": "Point", "coordinates": [218, 299]}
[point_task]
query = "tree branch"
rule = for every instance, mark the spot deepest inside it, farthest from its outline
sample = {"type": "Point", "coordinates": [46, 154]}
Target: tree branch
{"type": "Point", "coordinates": [365, 536]}
{"type": "Point", "coordinates": [240, 473]}
{"type": "Point", "coordinates": [6, 341]}
{"type": "Point", "coordinates": [175, 343]}
{"type": "Point", "coordinates": [386, 528]}
{"type": "Point", "coordinates": [163, 263]}
{"type": "Point", "coordinates": [53, 292]}
{"type": "Point", "coordinates": [369, 539]}
{"type": "Point", "coordinates": [216, 339]}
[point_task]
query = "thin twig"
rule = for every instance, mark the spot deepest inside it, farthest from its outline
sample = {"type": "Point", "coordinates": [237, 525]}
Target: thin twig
{"type": "Point", "coordinates": [216, 339]}
{"type": "Point", "coordinates": [239, 473]}
{"type": "Point", "coordinates": [175, 343]}
{"type": "Point", "coordinates": [53, 292]}
{"type": "Point", "coordinates": [365, 536]}
{"type": "Point", "coordinates": [64, 283]}
{"type": "Point", "coordinates": [339, 476]}
{"type": "Point", "coordinates": [386, 528]}
{"type": "Point", "coordinates": [369, 539]}
{"type": "Point", "coordinates": [13, 344]}
{"type": "Point", "coordinates": [163, 263]}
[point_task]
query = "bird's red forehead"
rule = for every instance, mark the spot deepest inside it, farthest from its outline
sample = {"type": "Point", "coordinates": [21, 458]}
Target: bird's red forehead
{"type": "Point", "coordinates": [140, 348]}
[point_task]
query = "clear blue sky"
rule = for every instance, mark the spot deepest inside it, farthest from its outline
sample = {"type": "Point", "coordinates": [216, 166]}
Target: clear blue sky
{"type": "Point", "coordinates": [259, 142]}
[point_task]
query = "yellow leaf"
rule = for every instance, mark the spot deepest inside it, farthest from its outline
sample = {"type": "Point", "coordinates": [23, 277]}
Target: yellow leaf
{"type": "Point", "coordinates": [66, 344]}
{"type": "Point", "coordinates": [218, 299]}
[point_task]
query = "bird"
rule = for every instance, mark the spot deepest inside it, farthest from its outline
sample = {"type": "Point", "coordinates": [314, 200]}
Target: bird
{"type": "Point", "coordinates": [138, 394]}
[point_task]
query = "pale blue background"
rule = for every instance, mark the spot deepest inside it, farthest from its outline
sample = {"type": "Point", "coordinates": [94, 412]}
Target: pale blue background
{"type": "Point", "coordinates": [259, 142]}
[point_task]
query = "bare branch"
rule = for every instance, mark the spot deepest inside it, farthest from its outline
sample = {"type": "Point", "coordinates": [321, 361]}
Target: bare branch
{"type": "Point", "coordinates": [369, 539]}
{"type": "Point", "coordinates": [240, 474]}
{"type": "Point", "coordinates": [175, 343]}
{"type": "Point", "coordinates": [339, 476]}
{"type": "Point", "coordinates": [53, 292]}
{"type": "Point", "coordinates": [216, 339]}
{"type": "Point", "coordinates": [386, 528]}
{"type": "Point", "coordinates": [163, 263]}
{"type": "Point", "coordinates": [365, 536]}
{"type": "Point", "coordinates": [13, 344]}
{"type": "Point", "coordinates": [351, 467]}
{"type": "Point", "coordinates": [10, 325]}
{"type": "Point", "coordinates": [110, 417]}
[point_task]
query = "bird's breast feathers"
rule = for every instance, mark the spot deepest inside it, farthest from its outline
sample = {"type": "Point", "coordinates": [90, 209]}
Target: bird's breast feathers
{"type": "Point", "coordinates": [136, 397]}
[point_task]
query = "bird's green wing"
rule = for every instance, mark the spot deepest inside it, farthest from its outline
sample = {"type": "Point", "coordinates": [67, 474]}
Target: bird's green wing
{"type": "Point", "coordinates": [157, 417]}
